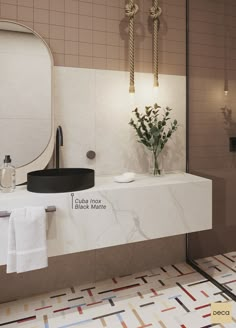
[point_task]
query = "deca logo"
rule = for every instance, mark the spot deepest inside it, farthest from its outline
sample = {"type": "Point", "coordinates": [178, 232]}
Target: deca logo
{"type": "Point", "coordinates": [221, 312]}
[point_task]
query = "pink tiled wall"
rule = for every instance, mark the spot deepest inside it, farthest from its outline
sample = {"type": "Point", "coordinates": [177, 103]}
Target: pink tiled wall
{"type": "Point", "coordinates": [212, 64]}
{"type": "Point", "coordinates": [94, 34]}
{"type": "Point", "coordinates": [212, 116]}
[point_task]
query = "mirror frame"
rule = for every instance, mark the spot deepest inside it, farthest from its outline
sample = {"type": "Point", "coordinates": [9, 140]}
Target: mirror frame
{"type": "Point", "coordinates": [40, 162]}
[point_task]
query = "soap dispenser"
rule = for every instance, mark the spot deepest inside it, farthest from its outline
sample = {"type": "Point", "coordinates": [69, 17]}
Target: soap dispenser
{"type": "Point", "coordinates": [7, 176]}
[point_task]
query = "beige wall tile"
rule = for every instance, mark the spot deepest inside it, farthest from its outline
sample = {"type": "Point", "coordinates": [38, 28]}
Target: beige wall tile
{"type": "Point", "coordinates": [71, 34]}
{"type": "Point", "coordinates": [26, 3]}
{"type": "Point", "coordinates": [103, 22]}
{"type": "Point", "coordinates": [123, 53]}
{"type": "Point", "coordinates": [25, 13]}
{"type": "Point", "coordinates": [113, 13]}
{"type": "Point", "coordinates": [10, 2]}
{"type": "Point", "coordinates": [139, 66]}
{"type": "Point", "coordinates": [85, 36]}
{"type": "Point", "coordinates": [113, 52]}
{"type": "Point", "coordinates": [85, 22]}
{"type": "Point", "coordinates": [85, 61]}
{"type": "Point", "coordinates": [167, 69]}
{"type": "Point", "coordinates": [99, 50]}
{"type": "Point", "coordinates": [8, 11]}
{"type": "Point", "coordinates": [111, 26]}
{"type": "Point", "coordinates": [113, 64]}
{"type": "Point", "coordinates": [57, 18]}
{"type": "Point", "coordinates": [26, 23]}
{"type": "Point", "coordinates": [42, 29]}
{"type": "Point", "coordinates": [57, 32]}
{"type": "Point", "coordinates": [85, 49]}
{"type": "Point", "coordinates": [147, 43]}
{"type": "Point", "coordinates": [71, 60]}
{"type": "Point", "coordinates": [99, 24]}
{"type": "Point", "coordinates": [71, 20]}
{"type": "Point", "coordinates": [71, 48]}
{"type": "Point", "coordinates": [57, 46]}
{"type": "Point", "coordinates": [41, 4]}
{"type": "Point", "coordinates": [124, 65]}
{"type": "Point", "coordinates": [148, 68]}
{"type": "Point", "coordinates": [99, 11]}
{"type": "Point", "coordinates": [113, 39]}
{"type": "Point", "coordinates": [59, 59]}
{"type": "Point", "coordinates": [41, 16]}
{"type": "Point", "coordinates": [85, 8]}
{"type": "Point", "coordinates": [72, 6]}
{"type": "Point", "coordinates": [99, 63]}
{"type": "Point", "coordinates": [209, 151]}
{"type": "Point", "coordinates": [57, 5]}
{"type": "Point", "coordinates": [100, 2]}
{"type": "Point", "coordinates": [99, 37]}
{"type": "Point", "coordinates": [116, 3]}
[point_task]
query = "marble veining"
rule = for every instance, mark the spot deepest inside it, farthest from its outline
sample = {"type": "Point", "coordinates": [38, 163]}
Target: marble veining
{"type": "Point", "coordinates": [93, 106]}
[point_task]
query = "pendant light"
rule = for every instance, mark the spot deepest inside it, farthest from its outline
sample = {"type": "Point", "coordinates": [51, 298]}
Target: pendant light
{"type": "Point", "coordinates": [131, 10]}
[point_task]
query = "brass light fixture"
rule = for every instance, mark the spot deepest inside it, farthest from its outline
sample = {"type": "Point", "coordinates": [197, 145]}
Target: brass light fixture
{"type": "Point", "coordinates": [155, 13]}
{"type": "Point", "coordinates": [131, 10]}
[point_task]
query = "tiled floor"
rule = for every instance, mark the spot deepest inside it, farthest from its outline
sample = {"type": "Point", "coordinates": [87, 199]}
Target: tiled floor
{"type": "Point", "coordinates": [170, 297]}
{"type": "Point", "coordinates": [222, 268]}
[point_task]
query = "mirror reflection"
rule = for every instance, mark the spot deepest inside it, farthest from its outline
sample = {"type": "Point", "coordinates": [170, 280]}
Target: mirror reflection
{"type": "Point", "coordinates": [25, 93]}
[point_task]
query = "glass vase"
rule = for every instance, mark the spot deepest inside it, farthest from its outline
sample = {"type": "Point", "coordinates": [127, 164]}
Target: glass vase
{"type": "Point", "coordinates": [156, 165]}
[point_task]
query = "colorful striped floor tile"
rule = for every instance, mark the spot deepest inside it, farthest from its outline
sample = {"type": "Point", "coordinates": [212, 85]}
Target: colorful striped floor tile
{"type": "Point", "coordinates": [174, 296]}
{"type": "Point", "coordinates": [222, 268]}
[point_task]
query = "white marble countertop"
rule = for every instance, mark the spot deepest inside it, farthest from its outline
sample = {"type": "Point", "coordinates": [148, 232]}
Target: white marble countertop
{"type": "Point", "coordinates": [107, 183]}
{"type": "Point", "coordinates": [148, 208]}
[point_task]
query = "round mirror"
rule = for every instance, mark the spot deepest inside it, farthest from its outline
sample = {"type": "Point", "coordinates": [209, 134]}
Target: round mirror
{"type": "Point", "coordinates": [26, 122]}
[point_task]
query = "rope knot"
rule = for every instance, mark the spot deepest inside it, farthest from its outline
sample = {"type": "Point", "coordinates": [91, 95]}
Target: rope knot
{"type": "Point", "coordinates": [131, 10]}
{"type": "Point", "coordinates": [155, 12]}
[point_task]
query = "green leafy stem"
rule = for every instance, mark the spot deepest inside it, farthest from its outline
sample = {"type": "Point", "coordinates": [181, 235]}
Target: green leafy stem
{"type": "Point", "coordinates": [153, 127]}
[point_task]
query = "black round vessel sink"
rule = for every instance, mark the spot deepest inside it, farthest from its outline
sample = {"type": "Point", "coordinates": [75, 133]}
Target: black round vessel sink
{"type": "Point", "coordinates": [60, 180]}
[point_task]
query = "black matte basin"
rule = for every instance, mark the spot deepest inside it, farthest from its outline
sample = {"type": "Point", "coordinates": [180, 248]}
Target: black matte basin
{"type": "Point", "coordinates": [60, 180]}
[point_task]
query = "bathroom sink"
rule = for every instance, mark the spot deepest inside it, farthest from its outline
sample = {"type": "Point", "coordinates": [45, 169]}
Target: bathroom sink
{"type": "Point", "coordinates": [60, 180]}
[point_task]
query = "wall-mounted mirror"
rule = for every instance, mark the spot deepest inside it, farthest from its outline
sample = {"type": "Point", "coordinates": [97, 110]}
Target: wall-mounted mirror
{"type": "Point", "coordinates": [26, 113]}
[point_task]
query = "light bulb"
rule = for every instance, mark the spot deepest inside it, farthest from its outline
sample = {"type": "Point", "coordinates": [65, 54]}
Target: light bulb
{"type": "Point", "coordinates": [226, 92]}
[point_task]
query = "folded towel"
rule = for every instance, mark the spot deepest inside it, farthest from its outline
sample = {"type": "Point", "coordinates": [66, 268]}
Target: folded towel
{"type": "Point", "coordinates": [27, 242]}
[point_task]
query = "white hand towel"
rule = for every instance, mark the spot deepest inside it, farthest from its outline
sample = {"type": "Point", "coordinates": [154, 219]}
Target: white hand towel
{"type": "Point", "coordinates": [27, 242]}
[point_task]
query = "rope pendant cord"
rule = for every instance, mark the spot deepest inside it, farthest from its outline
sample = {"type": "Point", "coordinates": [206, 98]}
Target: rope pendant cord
{"type": "Point", "coordinates": [155, 13]}
{"type": "Point", "coordinates": [131, 10]}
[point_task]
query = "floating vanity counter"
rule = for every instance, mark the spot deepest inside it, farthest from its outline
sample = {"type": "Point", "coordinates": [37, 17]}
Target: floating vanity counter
{"type": "Point", "coordinates": [113, 214]}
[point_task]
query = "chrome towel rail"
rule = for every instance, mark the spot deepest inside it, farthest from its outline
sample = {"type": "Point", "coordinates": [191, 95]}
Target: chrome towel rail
{"type": "Point", "coordinates": [49, 209]}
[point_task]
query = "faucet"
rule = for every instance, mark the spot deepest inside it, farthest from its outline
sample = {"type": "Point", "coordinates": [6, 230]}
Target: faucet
{"type": "Point", "coordinates": [59, 143]}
